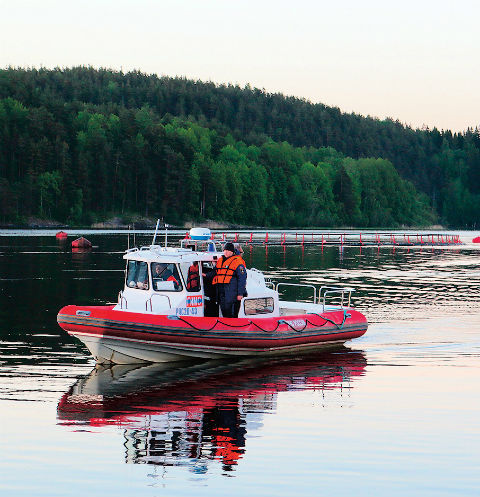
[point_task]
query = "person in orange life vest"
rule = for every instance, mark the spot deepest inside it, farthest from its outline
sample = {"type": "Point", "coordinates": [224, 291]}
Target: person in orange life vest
{"type": "Point", "coordinates": [230, 281]}
{"type": "Point", "coordinates": [193, 278]}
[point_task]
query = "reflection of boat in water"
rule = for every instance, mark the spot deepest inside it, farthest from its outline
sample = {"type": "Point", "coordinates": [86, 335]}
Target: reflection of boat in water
{"type": "Point", "coordinates": [189, 413]}
{"type": "Point", "coordinates": [167, 312]}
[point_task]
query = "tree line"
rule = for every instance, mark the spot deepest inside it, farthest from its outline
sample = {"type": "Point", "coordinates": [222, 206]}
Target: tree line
{"type": "Point", "coordinates": [79, 145]}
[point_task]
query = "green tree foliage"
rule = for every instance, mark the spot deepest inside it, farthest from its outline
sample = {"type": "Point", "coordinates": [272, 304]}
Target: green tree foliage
{"type": "Point", "coordinates": [80, 144]}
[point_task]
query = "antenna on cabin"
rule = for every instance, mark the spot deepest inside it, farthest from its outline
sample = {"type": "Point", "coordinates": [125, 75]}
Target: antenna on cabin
{"type": "Point", "coordinates": [128, 238]}
{"type": "Point", "coordinates": [155, 235]}
{"type": "Point", "coordinates": [166, 229]}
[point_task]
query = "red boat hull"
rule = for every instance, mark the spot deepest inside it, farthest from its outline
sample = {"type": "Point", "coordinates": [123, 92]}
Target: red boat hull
{"type": "Point", "coordinates": [123, 337]}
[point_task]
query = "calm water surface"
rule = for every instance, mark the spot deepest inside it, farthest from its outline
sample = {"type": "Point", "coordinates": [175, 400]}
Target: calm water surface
{"type": "Point", "coordinates": [395, 412]}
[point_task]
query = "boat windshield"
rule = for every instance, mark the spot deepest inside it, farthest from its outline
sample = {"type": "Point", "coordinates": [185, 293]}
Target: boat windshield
{"type": "Point", "coordinates": [137, 275]}
{"type": "Point", "coordinates": [165, 277]}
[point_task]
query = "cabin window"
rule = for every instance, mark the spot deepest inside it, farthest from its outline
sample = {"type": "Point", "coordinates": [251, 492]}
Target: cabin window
{"type": "Point", "coordinates": [258, 306]}
{"type": "Point", "coordinates": [137, 275]}
{"type": "Point", "coordinates": [165, 277]}
{"type": "Point", "coordinates": [191, 275]}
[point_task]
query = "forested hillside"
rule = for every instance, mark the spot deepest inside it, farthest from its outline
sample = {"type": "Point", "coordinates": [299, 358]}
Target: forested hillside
{"type": "Point", "coordinates": [81, 144]}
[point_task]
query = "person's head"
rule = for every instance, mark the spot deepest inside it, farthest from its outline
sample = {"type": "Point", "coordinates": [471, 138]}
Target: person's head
{"type": "Point", "coordinates": [228, 249]}
{"type": "Point", "coordinates": [159, 268]}
{"type": "Point", "coordinates": [238, 249]}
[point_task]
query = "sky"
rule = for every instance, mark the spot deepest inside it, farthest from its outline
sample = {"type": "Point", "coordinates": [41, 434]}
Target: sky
{"type": "Point", "coordinates": [415, 61]}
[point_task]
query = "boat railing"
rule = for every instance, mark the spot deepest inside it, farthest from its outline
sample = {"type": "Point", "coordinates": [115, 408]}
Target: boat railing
{"type": "Point", "coordinates": [270, 284]}
{"type": "Point", "coordinates": [121, 298]}
{"type": "Point", "coordinates": [344, 293]}
{"type": "Point", "coordinates": [278, 285]}
{"type": "Point", "coordinates": [149, 301]}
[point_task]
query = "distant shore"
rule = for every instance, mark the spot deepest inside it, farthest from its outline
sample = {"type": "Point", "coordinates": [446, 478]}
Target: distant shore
{"type": "Point", "coordinates": [119, 223]}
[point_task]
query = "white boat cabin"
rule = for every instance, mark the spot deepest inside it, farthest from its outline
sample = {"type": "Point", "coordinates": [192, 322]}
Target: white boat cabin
{"type": "Point", "coordinates": [174, 281]}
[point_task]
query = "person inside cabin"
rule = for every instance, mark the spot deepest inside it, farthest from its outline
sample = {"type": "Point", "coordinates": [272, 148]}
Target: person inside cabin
{"type": "Point", "coordinates": [230, 281]}
{"type": "Point", "coordinates": [165, 272]}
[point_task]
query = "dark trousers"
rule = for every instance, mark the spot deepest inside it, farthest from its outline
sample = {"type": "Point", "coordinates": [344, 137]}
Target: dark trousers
{"type": "Point", "coordinates": [229, 308]}
{"type": "Point", "coordinates": [211, 308]}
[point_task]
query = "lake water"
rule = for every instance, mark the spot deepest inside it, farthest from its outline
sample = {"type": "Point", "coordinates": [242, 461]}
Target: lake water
{"type": "Point", "coordinates": [395, 412]}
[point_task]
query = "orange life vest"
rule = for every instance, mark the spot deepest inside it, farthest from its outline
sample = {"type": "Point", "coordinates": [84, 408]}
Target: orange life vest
{"type": "Point", "coordinates": [226, 269]}
{"type": "Point", "coordinates": [193, 279]}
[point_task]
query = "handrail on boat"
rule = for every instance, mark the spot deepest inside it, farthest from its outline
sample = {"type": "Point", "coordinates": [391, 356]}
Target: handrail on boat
{"type": "Point", "coordinates": [335, 290]}
{"type": "Point", "coordinates": [156, 295]}
{"type": "Point", "coordinates": [270, 284]}
{"type": "Point", "coordinates": [300, 285]}
{"type": "Point", "coordinates": [121, 298]}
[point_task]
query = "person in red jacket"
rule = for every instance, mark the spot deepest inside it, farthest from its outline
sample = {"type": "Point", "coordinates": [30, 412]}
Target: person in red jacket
{"type": "Point", "coordinates": [162, 272]}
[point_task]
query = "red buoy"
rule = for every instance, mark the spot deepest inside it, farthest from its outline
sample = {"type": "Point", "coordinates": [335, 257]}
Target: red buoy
{"type": "Point", "coordinates": [476, 240]}
{"type": "Point", "coordinates": [81, 243]}
{"type": "Point", "coordinates": [61, 235]}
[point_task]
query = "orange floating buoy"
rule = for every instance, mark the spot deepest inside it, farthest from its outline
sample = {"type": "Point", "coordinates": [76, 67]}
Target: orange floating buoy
{"type": "Point", "coordinates": [81, 243]}
{"type": "Point", "coordinates": [61, 235]}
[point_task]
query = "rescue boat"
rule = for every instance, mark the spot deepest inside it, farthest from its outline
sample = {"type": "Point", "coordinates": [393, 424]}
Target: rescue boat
{"type": "Point", "coordinates": [160, 316]}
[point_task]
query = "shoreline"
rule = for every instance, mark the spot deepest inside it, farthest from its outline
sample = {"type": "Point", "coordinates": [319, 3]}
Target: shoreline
{"type": "Point", "coordinates": [142, 223]}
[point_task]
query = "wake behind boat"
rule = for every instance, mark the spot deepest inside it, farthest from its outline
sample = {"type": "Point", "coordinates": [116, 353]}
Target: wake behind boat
{"type": "Point", "coordinates": [162, 314]}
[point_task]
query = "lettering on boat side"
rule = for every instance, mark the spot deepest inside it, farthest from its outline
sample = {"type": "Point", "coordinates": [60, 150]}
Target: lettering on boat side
{"type": "Point", "coordinates": [82, 313]}
{"type": "Point", "coordinates": [194, 301]}
{"type": "Point", "coordinates": [296, 323]}
{"type": "Point", "coordinates": [186, 311]}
